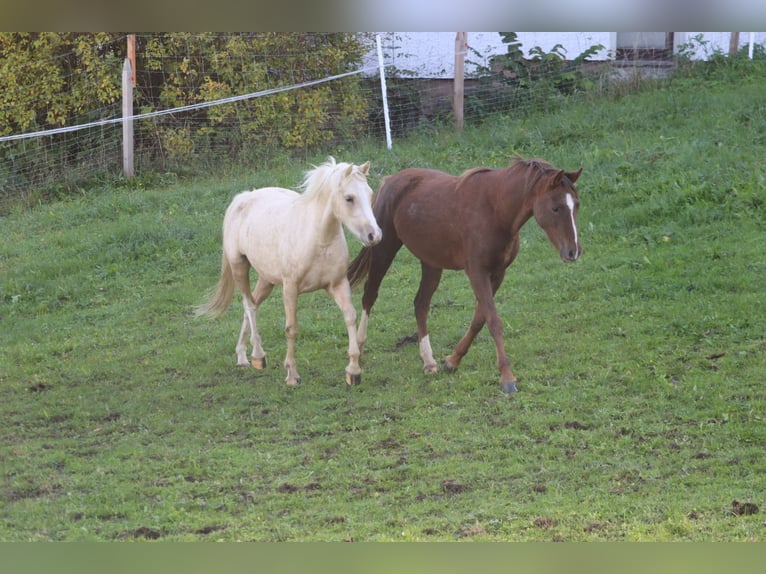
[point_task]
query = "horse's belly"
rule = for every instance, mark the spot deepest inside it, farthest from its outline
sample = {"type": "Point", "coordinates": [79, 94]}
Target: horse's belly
{"type": "Point", "coordinates": [441, 255]}
{"type": "Point", "coordinates": [436, 245]}
{"type": "Point", "coordinates": [307, 271]}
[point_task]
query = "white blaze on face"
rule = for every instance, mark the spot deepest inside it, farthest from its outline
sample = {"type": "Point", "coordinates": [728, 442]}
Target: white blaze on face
{"type": "Point", "coordinates": [571, 206]}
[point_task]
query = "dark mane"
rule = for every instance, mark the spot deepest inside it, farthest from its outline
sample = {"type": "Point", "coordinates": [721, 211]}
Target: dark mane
{"type": "Point", "coordinates": [534, 167]}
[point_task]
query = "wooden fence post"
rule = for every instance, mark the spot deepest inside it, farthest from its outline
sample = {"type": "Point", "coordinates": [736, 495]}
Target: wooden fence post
{"type": "Point", "coordinates": [132, 57]}
{"type": "Point", "coordinates": [733, 43]}
{"type": "Point", "coordinates": [461, 44]}
{"type": "Point", "coordinates": [127, 119]}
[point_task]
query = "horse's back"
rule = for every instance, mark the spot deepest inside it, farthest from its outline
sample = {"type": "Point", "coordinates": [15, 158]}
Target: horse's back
{"type": "Point", "coordinates": [421, 208]}
{"type": "Point", "coordinates": [414, 179]}
{"type": "Point", "coordinates": [256, 213]}
{"type": "Point", "coordinates": [413, 185]}
{"type": "Point", "coordinates": [263, 198]}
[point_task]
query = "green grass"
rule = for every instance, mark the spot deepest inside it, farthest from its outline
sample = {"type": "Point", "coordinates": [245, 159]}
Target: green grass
{"type": "Point", "coordinates": [641, 408]}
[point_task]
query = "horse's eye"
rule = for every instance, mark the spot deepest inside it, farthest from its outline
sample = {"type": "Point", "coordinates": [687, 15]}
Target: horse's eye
{"type": "Point", "coordinates": [349, 199]}
{"type": "Point", "coordinates": [556, 209]}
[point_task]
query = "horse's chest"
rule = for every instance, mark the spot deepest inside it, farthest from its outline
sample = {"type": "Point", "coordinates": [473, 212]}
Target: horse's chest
{"type": "Point", "coordinates": [325, 265]}
{"type": "Point", "coordinates": [510, 251]}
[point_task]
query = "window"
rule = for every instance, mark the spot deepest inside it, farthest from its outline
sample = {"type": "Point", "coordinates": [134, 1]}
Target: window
{"type": "Point", "coordinates": [644, 45]}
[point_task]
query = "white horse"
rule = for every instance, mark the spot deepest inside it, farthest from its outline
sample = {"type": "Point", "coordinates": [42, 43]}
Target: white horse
{"type": "Point", "coordinates": [295, 240]}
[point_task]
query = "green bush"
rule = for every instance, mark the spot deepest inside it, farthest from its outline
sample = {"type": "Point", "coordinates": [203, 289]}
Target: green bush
{"type": "Point", "coordinates": [55, 79]}
{"type": "Point", "coordinates": [512, 81]}
{"type": "Point", "coordinates": [196, 68]}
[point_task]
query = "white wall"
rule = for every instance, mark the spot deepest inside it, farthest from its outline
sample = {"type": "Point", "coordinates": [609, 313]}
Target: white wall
{"type": "Point", "coordinates": [432, 54]}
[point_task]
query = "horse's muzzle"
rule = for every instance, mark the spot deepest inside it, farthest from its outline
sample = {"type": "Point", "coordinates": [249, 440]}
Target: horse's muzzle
{"type": "Point", "coordinates": [570, 254]}
{"type": "Point", "coordinates": [373, 237]}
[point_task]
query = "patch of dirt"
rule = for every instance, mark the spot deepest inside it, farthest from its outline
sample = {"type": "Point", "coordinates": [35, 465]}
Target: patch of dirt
{"type": "Point", "coordinates": [109, 417]}
{"type": "Point", "coordinates": [192, 478]}
{"type": "Point", "coordinates": [406, 340]}
{"type": "Point", "coordinates": [287, 488]}
{"type": "Point", "coordinates": [390, 417]}
{"type": "Point", "coordinates": [247, 497]}
{"type": "Point", "coordinates": [146, 533]}
{"type": "Point", "coordinates": [545, 523]}
{"type": "Point", "coordinates": [30, 493]}
{"type": "Point", "coordinates": [576, 425]}
{"type": "Point", "coordinates": [209, 529]}
{"type": "Point", "coordinates": [389, 444]}
{"type": "Point", "coordinates": [701, 455]}
{"type": "Point", "coordinates": [454, 487]}
{"type": "Point", "coordinates": [473, 530]}
{"type": "Point", "coordinates": [744, 508]}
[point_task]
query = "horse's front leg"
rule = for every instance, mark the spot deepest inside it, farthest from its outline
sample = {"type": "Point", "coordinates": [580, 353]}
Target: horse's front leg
{"type": "Point", "coordinates": [342, 295]}
{"type": "Point", "coordinates": [495, 326]}
{"type": "Point", "coordinates": [290, 299]}
{"type": "Point", "coordinates": [429, 281]}
{"type": "Point", "coordinates": [484, 288]}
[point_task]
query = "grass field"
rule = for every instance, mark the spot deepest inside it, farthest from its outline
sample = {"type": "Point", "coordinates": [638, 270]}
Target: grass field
{"type": "Point", "coordinates": [641, 408]}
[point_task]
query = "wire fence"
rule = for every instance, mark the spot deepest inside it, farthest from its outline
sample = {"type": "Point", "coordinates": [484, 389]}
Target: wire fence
{"type": "Point", "coordinates": [204, 100]}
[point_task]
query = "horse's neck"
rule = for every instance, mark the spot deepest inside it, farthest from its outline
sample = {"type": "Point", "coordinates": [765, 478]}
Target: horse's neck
{"type": "Point", "coordinates": [514, 208]}
{"type": "Point", "coordinates": [318, 219]}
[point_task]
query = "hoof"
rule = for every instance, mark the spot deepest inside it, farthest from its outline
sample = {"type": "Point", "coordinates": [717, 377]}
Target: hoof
{"type": "Point", "coordinates": [353, 380]}
{"type": "Point", "coordinates": [259, 364]}
{"type": "Point", "coordinates": [509, 387]}
{"type": "Point", "coordinates": [429, 369]}
{"type": "Point", "coordinates": [293, 382]}
{"type": "Point", "coordinates": [448, 368]}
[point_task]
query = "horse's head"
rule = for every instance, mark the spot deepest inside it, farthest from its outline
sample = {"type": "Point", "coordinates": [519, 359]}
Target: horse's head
{"type": "Point", "coordinates": [353, 204]}
{"type": "Point", "coordinates": [555, 209]}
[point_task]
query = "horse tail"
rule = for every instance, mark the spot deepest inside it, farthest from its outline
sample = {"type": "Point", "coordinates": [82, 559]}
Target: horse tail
{"type": "Point", "coordinates": [221, 297]}
{"type": "Point", "coordinates": [360, 266]}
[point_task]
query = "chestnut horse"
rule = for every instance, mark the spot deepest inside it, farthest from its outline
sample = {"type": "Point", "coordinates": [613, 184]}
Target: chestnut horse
{"type": "Point", "coordinates": [295, 240]}
{"type": "Point", "coordinates": [470, 222]}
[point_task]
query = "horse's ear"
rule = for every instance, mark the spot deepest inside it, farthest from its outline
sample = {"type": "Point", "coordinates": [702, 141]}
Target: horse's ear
{"type": "Point", "coordinates": [365, 168]}
{"type": "Point", "coordinates": [557, 177]}
{"type": "Point", "coordinates": [574, 175]}
{"type": "Point", "coordinates": [349, 170]}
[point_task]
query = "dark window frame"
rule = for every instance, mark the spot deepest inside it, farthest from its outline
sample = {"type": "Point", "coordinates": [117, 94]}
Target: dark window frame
{"type": "Point", "coordinates": [665, 53]}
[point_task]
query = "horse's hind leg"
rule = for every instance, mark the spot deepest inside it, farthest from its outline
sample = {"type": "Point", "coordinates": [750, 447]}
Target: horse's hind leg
{"type": "Point", "coordinates": [290, 299]}
{"type": "Point", "coordinates": [240, 270]}
{"type": "Point", "coordinates": [429, 281]}
{"type": "Point", "coordinates": [250, 301]}
{"type": "Point", "coordinates": [342, 295]}
{"type": "Point", "coordinates": [262, 290]}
